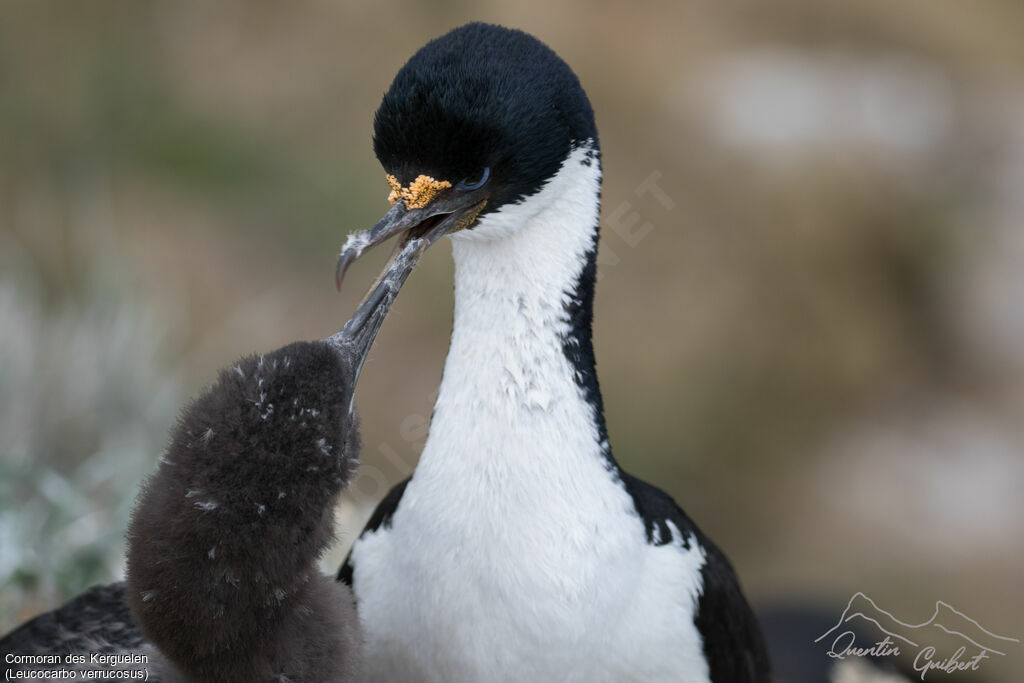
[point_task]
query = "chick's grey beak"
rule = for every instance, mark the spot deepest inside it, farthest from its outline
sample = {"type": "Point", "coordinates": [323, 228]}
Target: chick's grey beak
{"type": "Point", "coordinates": [357, 335]}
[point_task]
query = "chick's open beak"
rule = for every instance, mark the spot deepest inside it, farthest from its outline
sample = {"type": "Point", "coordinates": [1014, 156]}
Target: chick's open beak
{"type": "Point", "coordinates": [419, 228]}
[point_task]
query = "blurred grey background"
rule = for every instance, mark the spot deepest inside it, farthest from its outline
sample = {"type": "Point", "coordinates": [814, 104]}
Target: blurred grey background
{"type": "Point", "coordinates": [814, 339]}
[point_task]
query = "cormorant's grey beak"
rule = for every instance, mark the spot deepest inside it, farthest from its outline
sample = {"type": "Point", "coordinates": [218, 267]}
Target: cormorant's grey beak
{"type": "Point", "coordinates": [451, 212]}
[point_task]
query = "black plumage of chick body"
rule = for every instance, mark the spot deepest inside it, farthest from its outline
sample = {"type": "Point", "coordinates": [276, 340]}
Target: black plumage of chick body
{"type": "Point", "coordinates": [224, 539]}
{"type": "Point", "coordinates": [222, 581]}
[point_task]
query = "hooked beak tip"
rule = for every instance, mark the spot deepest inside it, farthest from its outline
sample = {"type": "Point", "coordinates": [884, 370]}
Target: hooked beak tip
{"type": "Point", "coordinates": [339, 271]}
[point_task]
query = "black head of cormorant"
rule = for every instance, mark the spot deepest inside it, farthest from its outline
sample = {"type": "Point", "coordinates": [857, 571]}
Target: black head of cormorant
{"type": "Point", "coordinates": [457, 143]}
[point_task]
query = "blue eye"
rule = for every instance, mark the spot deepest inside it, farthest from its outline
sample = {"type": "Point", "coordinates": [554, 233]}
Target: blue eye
{"type": "Point", "coordinates": [465, 185]}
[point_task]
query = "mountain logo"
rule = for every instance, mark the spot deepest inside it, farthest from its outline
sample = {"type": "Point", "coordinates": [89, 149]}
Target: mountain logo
{"type": "Point", "coordinates": [949, 641]}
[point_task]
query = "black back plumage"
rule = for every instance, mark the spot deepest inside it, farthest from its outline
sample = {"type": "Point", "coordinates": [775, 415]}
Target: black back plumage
{"type": "Point", "coordinates": [733, 644]}
{"type": "Point", "coordinates": [96, 621]}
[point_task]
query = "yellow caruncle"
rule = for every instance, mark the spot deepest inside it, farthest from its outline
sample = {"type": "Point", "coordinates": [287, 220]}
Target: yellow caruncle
{"type": "Point", "coordinates": [420, 192]}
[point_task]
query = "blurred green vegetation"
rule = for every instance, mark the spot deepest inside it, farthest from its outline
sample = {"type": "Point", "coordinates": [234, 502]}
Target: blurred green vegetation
{"type": "Point", "coordinates": [187, 171]}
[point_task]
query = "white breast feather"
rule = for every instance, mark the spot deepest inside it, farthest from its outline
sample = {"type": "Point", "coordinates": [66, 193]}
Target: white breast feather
{"type": "Point", "coordinates": [515, 555]}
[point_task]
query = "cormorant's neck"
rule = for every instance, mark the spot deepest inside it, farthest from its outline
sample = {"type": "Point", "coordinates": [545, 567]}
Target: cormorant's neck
{"type": "Point", "coordinates": [520, 368]}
